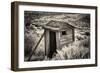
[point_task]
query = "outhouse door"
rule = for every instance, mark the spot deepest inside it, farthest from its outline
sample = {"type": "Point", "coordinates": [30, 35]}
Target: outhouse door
{"type": "Point", "coordinates": [52, 43]}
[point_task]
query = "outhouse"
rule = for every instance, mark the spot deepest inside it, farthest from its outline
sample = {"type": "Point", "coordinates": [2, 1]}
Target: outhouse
{"type": "Point", "coordinates": [57, 34]}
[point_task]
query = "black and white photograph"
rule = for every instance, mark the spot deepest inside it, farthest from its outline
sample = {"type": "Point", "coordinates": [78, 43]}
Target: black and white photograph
{"type": "Point", "coordinates": [53, 36]}
{"type": "Point", "coordinates": [56, 36]}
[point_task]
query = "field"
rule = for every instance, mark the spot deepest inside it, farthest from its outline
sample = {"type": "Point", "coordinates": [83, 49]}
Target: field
{"type": "Point", "coordinates": [79, 49]}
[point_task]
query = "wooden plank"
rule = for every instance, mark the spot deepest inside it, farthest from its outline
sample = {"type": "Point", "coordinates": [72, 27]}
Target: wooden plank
{"type": "Point", "coordinates": [58, 40]}
{"type": "Point", "coordinates": [47, 42]}
{"type": "Point", "coordinates": [51, 28]}
{"type": "Point", "coordinates": [73, 34]}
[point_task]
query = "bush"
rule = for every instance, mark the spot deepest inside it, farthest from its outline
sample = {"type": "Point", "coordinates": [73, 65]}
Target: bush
{"type": "Point", "coordinates": [76, 50]}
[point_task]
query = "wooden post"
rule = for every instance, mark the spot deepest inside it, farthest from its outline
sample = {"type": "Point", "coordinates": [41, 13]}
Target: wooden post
{"type": "Point", "coordinates": [35, 47]}
{"type": "Point", "coordinates": [58, 40]}
{"type": "Point", "coordinates": [46, 42]}
{"type": "Point", "coordinates": [73, 34]}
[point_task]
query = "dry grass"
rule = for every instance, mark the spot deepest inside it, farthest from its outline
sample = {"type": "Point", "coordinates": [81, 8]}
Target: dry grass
{"type": "Point", "coordinates": [79, 49]}
{"type": "Point", "coordinates": [73, 51]}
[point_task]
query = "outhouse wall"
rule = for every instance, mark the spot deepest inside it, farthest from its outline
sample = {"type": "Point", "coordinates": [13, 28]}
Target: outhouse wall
{"type": "Point", "coordinates": [68, 37]}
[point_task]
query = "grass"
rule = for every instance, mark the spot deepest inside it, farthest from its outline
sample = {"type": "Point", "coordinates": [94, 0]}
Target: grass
{"type": "Point", "coordinates": [79, 49]}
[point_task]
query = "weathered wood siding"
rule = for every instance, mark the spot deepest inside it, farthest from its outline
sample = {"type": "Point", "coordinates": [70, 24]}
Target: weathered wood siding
{"type": "Point", "coordinates": [68, 37]}
{"type": "Point", "coordinates": [47, 44]}
{"type": "Point", "coordinates": [58, 40]}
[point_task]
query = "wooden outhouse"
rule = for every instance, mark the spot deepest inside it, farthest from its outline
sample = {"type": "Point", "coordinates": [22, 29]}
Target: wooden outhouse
{"type": "Point", "coordinates": [57, 34]}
